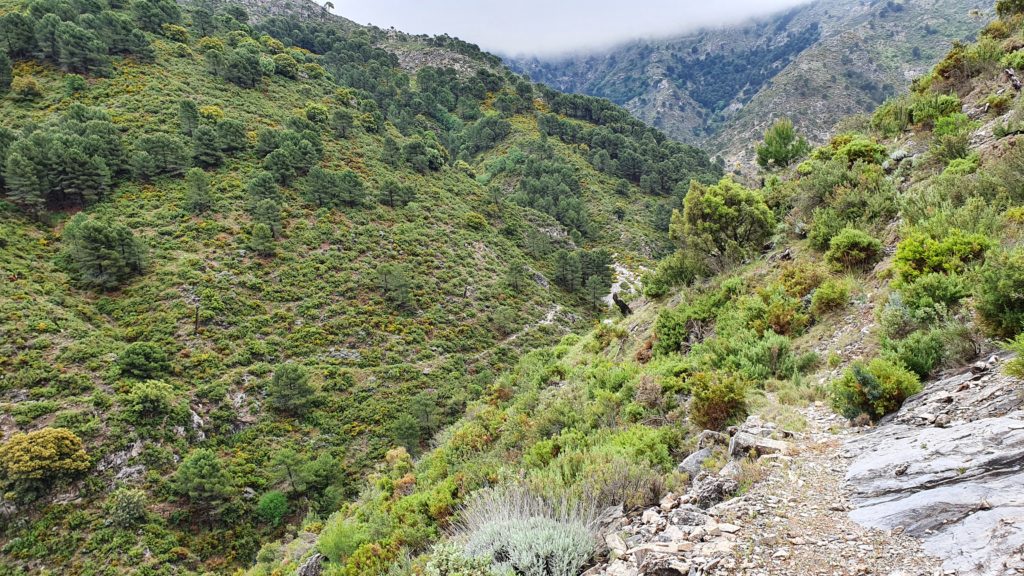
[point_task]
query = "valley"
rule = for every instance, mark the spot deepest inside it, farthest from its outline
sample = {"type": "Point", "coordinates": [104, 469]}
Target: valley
{"type": "Point", "coordinates": [283, 294]}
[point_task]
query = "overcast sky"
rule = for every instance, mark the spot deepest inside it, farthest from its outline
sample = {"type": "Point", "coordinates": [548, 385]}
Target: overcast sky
{"type": "Point", "coordinates": [546, 27]}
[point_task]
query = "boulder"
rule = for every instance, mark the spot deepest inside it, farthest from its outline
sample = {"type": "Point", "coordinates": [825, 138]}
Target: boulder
{"type": "Point", "coordinates": [688, 516]}
{"type": "Point", "coordinates": [694, 463]}
{"type": "Point", "coordinates": [744, 443]}
{"type": "Point", "coordinates": [710, 438]}
{"type": "Point", "coordinates": [709, 489]}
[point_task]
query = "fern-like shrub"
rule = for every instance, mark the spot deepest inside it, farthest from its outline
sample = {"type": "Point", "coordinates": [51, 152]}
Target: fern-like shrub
{"type": "Point", "coordinates": [522, 533]}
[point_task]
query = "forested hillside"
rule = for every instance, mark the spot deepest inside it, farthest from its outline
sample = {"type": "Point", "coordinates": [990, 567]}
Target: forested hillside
{"type": "Point", "coordinates": [861, 270]}
{"type": "Point", "coordinates": [817, 64]}
{"type": "Point", "coordinates": [245, 255]}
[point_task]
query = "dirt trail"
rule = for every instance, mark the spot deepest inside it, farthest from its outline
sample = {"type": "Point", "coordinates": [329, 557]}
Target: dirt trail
{"type": "Point", "coordinates": [795, 520]}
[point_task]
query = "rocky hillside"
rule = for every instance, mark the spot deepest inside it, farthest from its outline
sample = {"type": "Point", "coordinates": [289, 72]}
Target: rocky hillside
{"type": "Point", "coordinates": [813, 383]}
{"type": "Point", "coordinates": [245, 255]}
{"type": "Point", "coordinates": [817, 63]}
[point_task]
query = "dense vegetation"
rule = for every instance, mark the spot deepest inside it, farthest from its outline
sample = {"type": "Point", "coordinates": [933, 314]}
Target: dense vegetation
{"type": "Point", "coordinates": [244, 258]}
{"type": "Point", "coordinates": [270, 293]}
{"type": "Point", "coordinates": [760, 280]}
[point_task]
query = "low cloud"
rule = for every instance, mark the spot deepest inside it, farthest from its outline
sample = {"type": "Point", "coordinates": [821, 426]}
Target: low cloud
{"type": "Point", "coordinates": [551, 27]}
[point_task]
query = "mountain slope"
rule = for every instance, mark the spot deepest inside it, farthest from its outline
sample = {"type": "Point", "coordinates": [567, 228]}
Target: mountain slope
{"type": "Point", "coordinates": [676, 439]}
{"type": "Point", "coordinates": [716, 87]}
{"type": "Point", "coordinates": [241, 261]}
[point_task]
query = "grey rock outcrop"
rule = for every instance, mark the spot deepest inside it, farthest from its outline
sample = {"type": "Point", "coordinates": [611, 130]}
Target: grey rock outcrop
{"type": "Point", "coordinates": [744, 443]}
{"type": "Point", "coordinates": [312, 567]}
{"type": "Point", "coordinates": [949, 469]}
{"type": "Point", "coordinates": [710, 489]}
{"type": "Point", "coordinates": [694, 463]}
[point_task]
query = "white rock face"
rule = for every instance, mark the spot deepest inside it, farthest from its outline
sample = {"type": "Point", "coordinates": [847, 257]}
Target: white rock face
{"type": "Point", "coordinates": [950, 471]}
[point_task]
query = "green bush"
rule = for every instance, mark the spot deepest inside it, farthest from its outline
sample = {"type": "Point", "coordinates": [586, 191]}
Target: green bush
{"type": "Point", "coordinates": [272, 507]}
{"type": "Point", "coordinates": [1015, 367]}
{"type": "Point", "coordinates": [724, 222]}
{"type": "Point", "coordinates": [964, 166]}
{"type": "Point", "coordinates": [934, 290]}
{"type": "Point", "coordinates": [892, 117]}
{"type": "Point", "coordinates": [43, 454]}
{"type": "Point", "coordinates": [920, 254]}
{"type": "Point", "coordinates": [127, 507]}
{"type": "Point", "coordinates": [802, 278]}
{"type": "Point", "coordinates": [525, 534]}
{"type": "Point", "coordinates": [149, 399]}
{"type": "Point", "coordinates": [922, 351]}
{"type": "Point", "coordinates": [831, 295]}
{"type": "Point", "coordinates": [853, 248]}
{"type": "Point", "coordinates": [826, 224]}
{"type": "Point", "coordinates": [862, 150]}
{"type": "Point", "coordinates": [1008, 8]}
{"type": "Point", "coordinates": [144, 361]}
{"type": "Point", "coordinates": [999, 293]}
{"type": "Point", "coordinates": [782, 146]}
{"type": "Point", "coordinates": [875, 389]}
{"type": "Point", "coordinates": [926, 109]}
{"type": "Point", "coordinates": [770, 356]}
{"type": "Point", "coordinates": [718, 400]}
{"type": "Point", "coordinates": [447, 559]}
{"type": "Point", "coordinates": [340, 539]}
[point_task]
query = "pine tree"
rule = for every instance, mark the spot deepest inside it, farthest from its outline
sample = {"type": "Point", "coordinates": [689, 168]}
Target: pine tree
{"type": "Point", "coordinates": [262, 186]}
{"type": "Point", "coordinates": [198, 198]}
{"type": "Point", "coordinates": [202, 482]}
{"type": "Point", "coordinates": [516, 276]}
{"type": "Point", "coordinates": [6, 73]}
{"type": "Point", "coordinates": [350, 188]}
{"type": "Point", "coordinates": [101, 254]}
{"type": "Point", "coordinates": [292, 467]}
{"type": "Point", "coordinates": [290, 391]}
{"type": "Point", "coordinates": [167, 155]}
{"type": "Point", "coordinates": [152, 14]}
{"type": "Point", "coordinates": [322, 187]}
{"type": "Point", "coordinates": [396, 195]}
{"type": "Point", "coordinates": [23, 184]}
{"type": "Point", "coordinates": [394, 283]}
{"type": "Point", "coordinates": [242, 67]}
{"type": "Point", "coordinates": [568, 270]}
{"type": "Point", "coordinates": [202, 22]}
{"type": "Point", "coordinates": [392, 155]}
{"type": "Point", "coordinates": [268, 212]}
{"type": "Point", "coordinates": [596, 289]}
{"type": "Point", "coordinates": [84, 178]}
{"type": "Point", "coordinates": [231, 135]}
{"type": "Point", "coordinates": [342, 122]}
{"type": "Point", "coordinates": [46, 37]}
{"type": "Point", "coordinates": [262, 240]}
{"type": "Point", "coordinates": [17, 35]}
{"type": "Point", "coordinates": [79, 50]}
{"type": "Point", "coordinates": [206, 147]}
{"type": "Point", "coordinates": [188, 115]}
{"type": "Point", "coordinates": [781, 146]}
{"type": "Point", "coordinates": [143, 165]}
{"type": "Point", "coordinates": [104, 140]}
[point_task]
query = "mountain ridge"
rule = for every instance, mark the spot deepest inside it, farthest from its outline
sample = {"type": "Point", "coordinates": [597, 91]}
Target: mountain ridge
{"type": "Point", "coordinates": [647, 77]}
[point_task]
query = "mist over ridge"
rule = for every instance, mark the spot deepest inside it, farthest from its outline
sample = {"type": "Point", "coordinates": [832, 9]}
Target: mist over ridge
{"type": "Point", "coordinates": [542, 28]}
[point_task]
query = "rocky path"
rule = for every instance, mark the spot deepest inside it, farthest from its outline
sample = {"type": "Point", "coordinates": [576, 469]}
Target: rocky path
{"type": "Point", "coordinates": [792, 521]}
{"type": "Point", "coordinates": [795, 521]}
